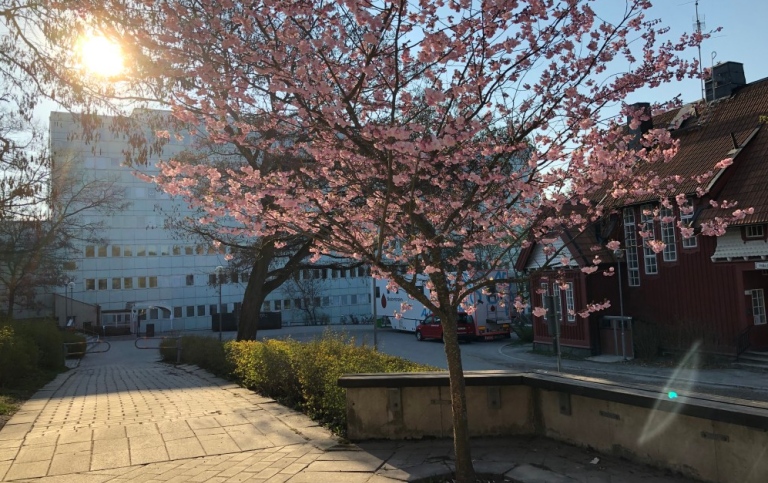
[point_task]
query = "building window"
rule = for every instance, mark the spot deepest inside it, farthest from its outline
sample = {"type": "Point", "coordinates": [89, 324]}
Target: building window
{"type": "Point", "coordinates": [326, 301]}
{"type": "Point", "coordinates": [354, 299]}
{"type": "Point", "coordinates": [153, 314]}
{"type": "Point", "coordinates": [141, 251]}
{"type": "Point", "coordinates": [116, 283]}
{"type": "Point", "coordinates": [630, 243]}
{"type": "Point", "coordinates": [200, 310]}
{"type": "Point", "coordinates": [70, 266]}
{"type": "Point", "coordinates": [190, 310]}
{"type": "Point", "coordinates": [334, 273]}
{"type": "Point", "coordinates": [758, 306]}
{"type": "Point", "coordinates": [128, 282]}
{"type": "Point", "coordinates": [115, 250]}
{"type": "Point", "coordinates": [102, 284]}
{"type": "Point", "coordinates": [152, 282]}
{"type": "Point", "coordinates": [316, 302]}
{"type": "Point", "coordinates": [361, 271]}
{"type": "Point", "coordinates": [90, 284]}
{"type": "Point", "coordinates": [351, 273]}
{"type": "Point", "coordinates": [297, 303]}
{"type": "Point", "coordinates": [102, 251]}
{"type": "Point", "coordinates": [177, 311]}
{"type": "Point", "coordinates": [211, 279]}
{"type": "Point", "coordinates": [668, 235]}
{"type": "Point", "coordinates": [188, 251]}
{"type": "Point", "coordinates": [287, 304]}
{"type": "Point", "coordinates": [151, 251]}
{"type": "Point", "coordinates": [278, 305]}
{"type": "Point", "coordinates": [649, 256]}
{"type": "Point", "coordinates": [570, 306]}
{"type": "Point", "coordinates": [176, 250]}
{"type": "Point", "coordinates": [754, 231]}
{"type": "Point", "coordinates": [265, 306]}
{"type": "Point", "coordinates": [164, 251]}
{"type": "Point", "coordinates": [142, 282]}
{"type": "Point", "coordinates": [190, 279]}
{"type": "Point", "coordinates": [127, 251]}
{"type": "Point", "coordinates": [213, 309]}
{"type": "Point", "coordinates": [686, 219]}
{"type": "Point", "coordinates": [557, 303]}
{"type": "Point", "coordinates": [90, 251]}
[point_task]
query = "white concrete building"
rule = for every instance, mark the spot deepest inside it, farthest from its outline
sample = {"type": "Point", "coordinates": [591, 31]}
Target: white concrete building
{"type": "Point", "coordinates": [143, 266]}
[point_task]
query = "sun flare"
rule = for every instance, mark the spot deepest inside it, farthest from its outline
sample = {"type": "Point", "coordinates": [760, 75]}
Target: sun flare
{"type": "Point", "coordinates": [100, 56]}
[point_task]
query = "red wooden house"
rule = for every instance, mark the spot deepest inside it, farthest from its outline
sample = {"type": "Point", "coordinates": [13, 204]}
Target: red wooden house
{"type": "Point", "coordinates": [700, 288]}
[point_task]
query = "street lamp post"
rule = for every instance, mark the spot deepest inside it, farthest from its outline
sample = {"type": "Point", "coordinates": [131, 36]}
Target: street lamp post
{"type": "Point", "coordinates": [619, 254]}
{"type": "Point", "coordinates": [70, 307]}
{"type": "Point", "coordinates": [219, 269]}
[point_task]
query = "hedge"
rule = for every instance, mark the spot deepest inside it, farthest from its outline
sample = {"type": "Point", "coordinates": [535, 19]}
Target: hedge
{"type": "Point", "coordinates": [301, 375]}
{"type": "Point", "coordinates": [29, 349]}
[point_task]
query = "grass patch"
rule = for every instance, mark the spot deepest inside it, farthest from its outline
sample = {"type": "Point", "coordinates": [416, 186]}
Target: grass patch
{"type": "Point", "coordinates": [301, 375]}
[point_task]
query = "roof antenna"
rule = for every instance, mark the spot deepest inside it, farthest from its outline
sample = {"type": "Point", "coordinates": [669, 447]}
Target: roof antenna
{"type": "Point", "coordinates": [698, 25]}
{"type": "Point", "coordinates": [712, 73]}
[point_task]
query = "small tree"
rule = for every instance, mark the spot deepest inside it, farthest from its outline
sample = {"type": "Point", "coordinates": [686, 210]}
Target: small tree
{"type": "Point", "coordinates": [405, 119]}
{"type": "Point", "coordinates": [306, 291]}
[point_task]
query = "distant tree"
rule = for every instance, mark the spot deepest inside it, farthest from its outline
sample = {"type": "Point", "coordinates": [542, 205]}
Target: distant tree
{"type": "Point", "coordinates": [40, 238]}
{"type": "Point", "coordinates": [306, 291]}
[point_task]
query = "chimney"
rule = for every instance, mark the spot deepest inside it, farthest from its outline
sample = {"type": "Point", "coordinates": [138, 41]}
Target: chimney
{"type": "Point", "coordinates": [726, 77]}
{"type": "Point", "coordinates": [645, 124]}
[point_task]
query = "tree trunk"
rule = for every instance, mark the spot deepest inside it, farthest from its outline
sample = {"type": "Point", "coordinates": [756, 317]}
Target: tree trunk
{"type": "Point", "coordinates": [11, 302]}
{"type": "Point", "coordinates": [465, 471]}
{"type": "Point", "coordinates": [255, 294]}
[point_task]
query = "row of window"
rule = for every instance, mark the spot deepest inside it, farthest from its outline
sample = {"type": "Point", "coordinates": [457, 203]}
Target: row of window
{"type": "Point", "coordinates": [103, 251]}
{"type": "Point", "coordinates": [212, 309]}
{"type": "Point", "coordinates": [648, 227]}
{"type": "Point", "coordinates": [307, 302]}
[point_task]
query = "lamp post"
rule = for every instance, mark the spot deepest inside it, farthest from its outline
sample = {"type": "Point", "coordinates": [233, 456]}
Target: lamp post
{"type": "Point", "coordinates": [219, 269]}
{"type": "Point", "coordinates": [70, 307]}
{"type": "Point", "coordinates": [619, 254]}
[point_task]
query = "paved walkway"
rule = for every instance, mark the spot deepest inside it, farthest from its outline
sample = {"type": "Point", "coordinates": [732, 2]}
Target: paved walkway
{"type": "Point", "coordinates": [123, 417]}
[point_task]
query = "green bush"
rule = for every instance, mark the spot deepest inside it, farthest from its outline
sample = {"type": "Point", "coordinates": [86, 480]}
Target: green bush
{"type": "Point", "coordinates": [29, 351]}
{"type": "Point", "coordinates": [205, 352]}
{"type": "Point", "coordinates": [301, 375]}
{"type": "Point", "coordinates": [76, 344]}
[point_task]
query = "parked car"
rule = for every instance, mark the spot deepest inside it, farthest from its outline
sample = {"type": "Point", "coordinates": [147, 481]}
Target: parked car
{"type": "Point", "coordinates": [431, 328]}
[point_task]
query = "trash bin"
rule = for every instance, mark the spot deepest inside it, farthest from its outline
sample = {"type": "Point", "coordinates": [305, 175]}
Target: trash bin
{"type": "Point", "coordinates": [150, 330]}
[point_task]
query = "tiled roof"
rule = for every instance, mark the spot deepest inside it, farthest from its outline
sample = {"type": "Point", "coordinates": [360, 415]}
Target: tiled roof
{"type": "Point", "coordinates": [715, 134]}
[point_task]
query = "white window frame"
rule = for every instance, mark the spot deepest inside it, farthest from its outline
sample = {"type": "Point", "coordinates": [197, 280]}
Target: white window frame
{"type": "Point", "coordinates": [758, 306]}
{"type": "Point", "coordinates": [630, 243]}
{"type": "Point", "coordinates": [668, 236]}
{"type": "Point", "coordinates": [754, 231]}
{"type": "Point", "coordinates": [650, 260]}
{"type": "Point", "coordinates": [687, 219]}
{"type": "Point", "coordinates": [570, 305]}
{"type": "Point", "coordinates": [556, 292]}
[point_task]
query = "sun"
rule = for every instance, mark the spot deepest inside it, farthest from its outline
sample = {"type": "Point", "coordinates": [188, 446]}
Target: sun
{"type": "Point", "coordinates": [100, 56]}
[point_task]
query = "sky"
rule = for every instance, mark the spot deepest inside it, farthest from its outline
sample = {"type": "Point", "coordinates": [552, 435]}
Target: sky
{"type": "Point", "coordinates": [742, 22]}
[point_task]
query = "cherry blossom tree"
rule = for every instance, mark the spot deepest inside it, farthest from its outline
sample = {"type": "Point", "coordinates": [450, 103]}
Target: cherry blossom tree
{"type": "Point", "coordinates": [404, 119]}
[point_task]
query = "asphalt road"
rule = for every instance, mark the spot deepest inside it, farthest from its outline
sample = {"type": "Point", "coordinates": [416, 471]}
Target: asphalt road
{"type": "Point", "coordinates": [506, 355]}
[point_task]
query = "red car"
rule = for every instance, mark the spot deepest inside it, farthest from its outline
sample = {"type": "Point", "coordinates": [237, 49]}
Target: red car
{"type": "Point", "coordinates": [430, 328]}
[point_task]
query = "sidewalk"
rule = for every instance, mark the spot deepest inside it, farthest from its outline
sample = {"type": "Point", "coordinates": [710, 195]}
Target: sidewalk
{"type": "Point", "coordinates": [123, 417]}
{"type": "Point", "coordinates": [726, 381]}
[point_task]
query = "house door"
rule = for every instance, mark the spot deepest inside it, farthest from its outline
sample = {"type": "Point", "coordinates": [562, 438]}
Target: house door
{"type": "Point", "coordinates": [756, 312]}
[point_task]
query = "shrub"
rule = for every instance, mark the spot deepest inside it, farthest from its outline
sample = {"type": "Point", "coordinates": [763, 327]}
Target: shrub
{"type": "Point", "coordinates": [29, 350]}
{"type": "Point", "coordinates": [301, 375]}
{"type": "Point", "coordinates": [75, 344]}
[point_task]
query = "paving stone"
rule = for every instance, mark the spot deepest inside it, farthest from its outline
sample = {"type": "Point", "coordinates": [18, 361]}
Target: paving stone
{"type": "Point", "coordinates": [63, 464]}
{"type": "Point", "coordinates": [143, 455]}
{"type": "Point", "coordinates": [7, 454]}
{"type": "Point", "coordinates": [218, 444]}
{"type": "Point", "coordinates": [148, 441]}
{"type": "Point", "coordinates": [110, 445]}
{"type": "Point", "coordinates": [19, 471]}
{"type": "Point", "coordinates": [184, 448]}
{"type": "Point", "coordinates": [526, 473]}
{"type": "Point", "coordinates": [112, 459]}
{"type": "Point", "coordinates": [76, 436]}
{"type": "Point", "coordinates": [112, 432]}
{"type": "Point", "coordinates": [28, 454]}
{"type": "Point", "coordinates": [73, 448]}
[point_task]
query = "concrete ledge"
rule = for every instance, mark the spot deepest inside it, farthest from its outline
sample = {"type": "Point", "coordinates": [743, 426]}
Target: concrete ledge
{"type": "Point", "coordinates": [706, 437]}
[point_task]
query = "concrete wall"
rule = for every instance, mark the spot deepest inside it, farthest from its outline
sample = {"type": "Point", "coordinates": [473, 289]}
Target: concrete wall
{"type": "Point", "coordinates": [718, 439]}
